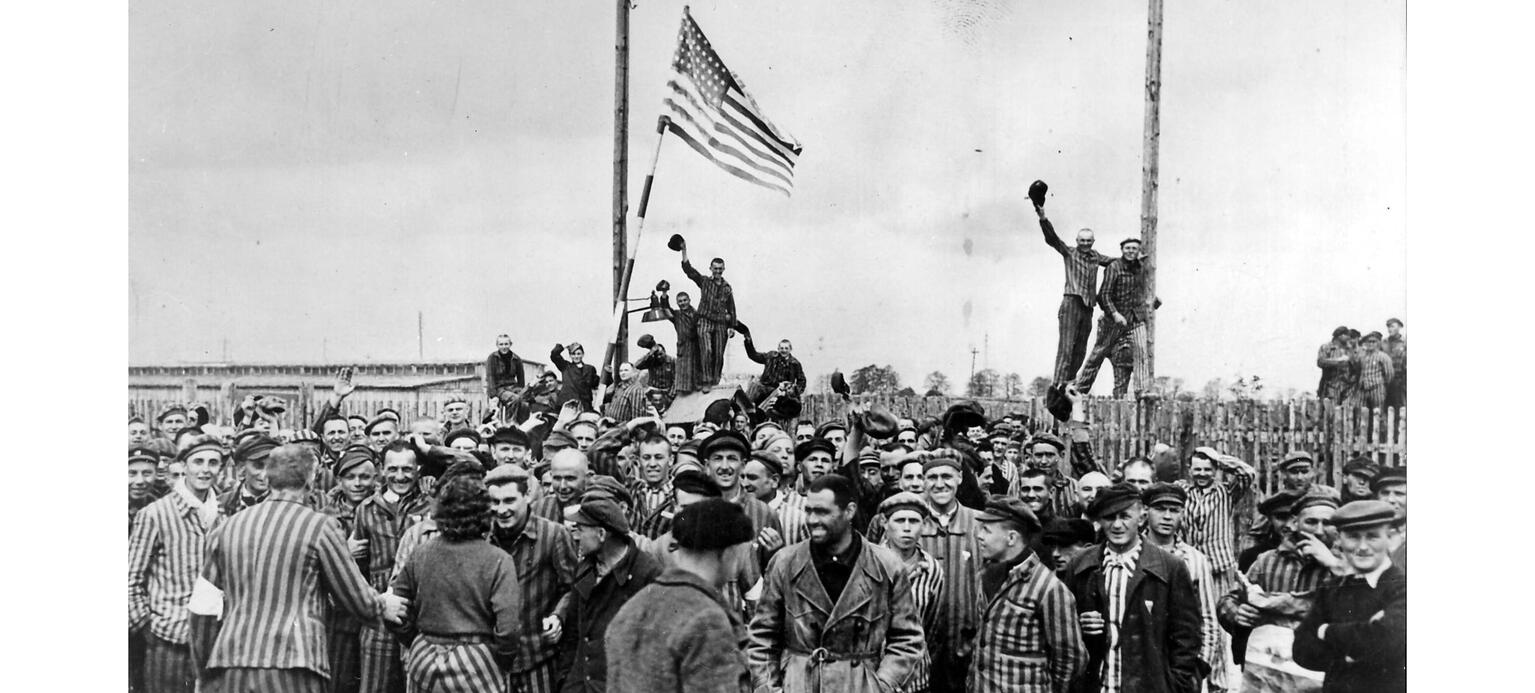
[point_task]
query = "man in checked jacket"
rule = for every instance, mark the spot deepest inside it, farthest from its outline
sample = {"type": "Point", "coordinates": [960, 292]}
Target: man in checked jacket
{"type": "Point", "coordinates": [1029, 640]}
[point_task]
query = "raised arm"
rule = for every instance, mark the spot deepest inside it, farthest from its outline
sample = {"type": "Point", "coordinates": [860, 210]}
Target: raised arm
{"type": "Point", "coordinates": [557, 357]}
{"type": "Point", "coordinates": [751, 350]}
{"type": "Point", "coordinates": [1239, 475]}
{"type": "Point", "coordinates": [1051, 238]}
{"type": "Point", "coordinates": [687, 269]}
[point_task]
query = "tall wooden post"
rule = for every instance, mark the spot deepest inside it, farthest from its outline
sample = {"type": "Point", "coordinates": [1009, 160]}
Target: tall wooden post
{"type": "Point", "coordinates": [1149, 174]}
{"type": "Point", "coordinates": [620, 175]}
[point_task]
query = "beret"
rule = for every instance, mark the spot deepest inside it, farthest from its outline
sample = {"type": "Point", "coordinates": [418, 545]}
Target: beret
{"type": "Point", "coordinates": [599, 511]}
{"type": "Point", "coordinates": [1278, 502]}
{"type": "Point", "coordinates": [769, 461]}
{"type": "Point", "coordinates": [1362, 467]}
{"type": "Point", "coordinates": [823, 429]}
{"type": "Point", "coordinates": [905, 500]}
{"type": "Point", "coordinates": [1294, 457]}
{"type": "Point", "coordinates": [353, 456]}
{"type": "Point", "coordinates": [1009, 509]}
{"type": "Point", "coordinates": [142, 454]}
{"type": "Point", "coordinates": [646, 341]}
{"type": "Point", "coordinates": [381, 418]}
{"type": "Point", "coordinates": [711, 525]}
{"type": "Point", "coordinates": [1113, 499]}
{"type": "Point", "coordinates": [941, 459]}
{"type": "Point", "coordinates": [557, 440]}
{"type": "Point", "coordinates": [603, 483]}
{"type": "Point", "coordinates": [724, 440]}
{"type": "Point", "coordinates": [514, 436]}
{"type": "Point", "coordinates": [818, 443]}
{"type": "Point", "coordinates": [696, 482]}
{"type": "Point", "coordinates": [505, 473]}
{"type": "Point", "coordinates": [173, 410]}
{"type": "Point", "coordinates": [464, 433]}
{"type": "Point", "coordinates": [1312, 499]}
{"type": "Point", "coordinates": [1389, 476]}
{"type": "Point", "coordinates": [256, 447]}
{"type": "Point", "coordinates": [1363, 513]}
{"type": "Point", "coordinates": [574, 346]}
{"type": "Point", "coordinates": [1048, 438]}
{"type": "Point", "coordinates": [1162, 491]}
{"type": "Point", "coordinates": [1065, 531]}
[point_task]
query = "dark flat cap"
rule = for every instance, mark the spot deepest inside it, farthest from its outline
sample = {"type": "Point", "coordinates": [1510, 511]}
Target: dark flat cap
{"type": "Point", "coordinates": [1398, 322]}
{"type": "Point", "coordinates": [723, 440]}
{"type": "Point", "coordinates": [1057, 403]}
{"type": "Point", "coordinates": [1363, 513]}
{"type": "Point", "coordinates": [354, 456]}
{"type": "Point", "coordinates": [557, 440]}
{"type": "Point", "coordinates": [905, 500]}
{"type": "Point", "coordinates": [711, 525]}
{"type": "Point", "coordinates": [168, 412]}
{"type": "Point", "coordinates": [941, 458]}
{"type": "Point", "coordinates": [388, 413]}
{"type": "Point", "coordinates": [804, 449]}
{"type": "Point", "coordinates": [465, 433]}
{"type": "Point", "coordinates": [696, 482]}
{"type": "Point", "coordinates": [601, 512]}
{"type": "Point", "coordinates": [514, 436]}
{"type": "Point", "coordinates": [769, 461]}
{"type": "Point", "coordinates": [1390, 476]}
{"type": "Point", "coordinates": [1049, 439]}
{"type": "Point", "coordinates": [602, 483]}
{"type": "Point", "coordinates": [646, 341]}
{"type": "Point", "coordinates": [1279, 502]}
{"type": "Point", "coordinates": [140, 453]}
{"type": "Point", "coordinates": [1362, 467]}
{"type": "Point", "coordinates": [1113, 499]}
{"type": "Point", "coordinates": [1295, 457]}
{"type": "Point", "coordinates": [377, 420]}
{"type": "Point", "coordinates": [1372, 336]}
{"type": "Point", "coordinates": [1339, 331]}
{"type": "Point", "coordinates": [1009, 509]}
{"type": "Point", "coordinates": [1163, 492]}
{"type": "Point", "coordinates": [1065, 531]}
{"type": "Point", "coordinates": [506, 473]}
{"type": "Point", "coordinates": [256, 447]}
{"type": "Point", "coordinates": [823, 429]}
{"type": "Point", "coordinates": [1130, 240]}
{"type": "Point", "coordinates": [963, 415]}
{"type": "Point", "coordinates": [1312, 500]}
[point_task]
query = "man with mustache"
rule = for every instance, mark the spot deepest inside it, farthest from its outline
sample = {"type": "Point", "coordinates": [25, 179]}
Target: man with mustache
{"type": "Point", "coordinates": [1126, 308]}
{"type": "Point", "coordinates": [165, 555]}
{"type": "Point", "coordinates": [546, 565]}
{"type": "Point", "coordinates": [381, 520]}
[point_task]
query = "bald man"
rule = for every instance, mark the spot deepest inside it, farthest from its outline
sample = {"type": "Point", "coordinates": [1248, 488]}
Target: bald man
{"type": "Point", "coordinates": [569, 472]}
{"type": "Point", "coordinates": [1087, 489]}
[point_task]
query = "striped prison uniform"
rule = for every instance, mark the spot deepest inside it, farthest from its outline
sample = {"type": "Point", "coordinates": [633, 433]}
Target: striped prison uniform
{"type": "Point", "coordinates": [1030, 639]}
{"type": "Point", "coordinates": [647, 502]}
{"type": "Point", "coordinates": [1375, 371]}
{"type": "Point", "coordinates": [1209, 522]}
{"type": "Point", "coordinates": [685, 377]}
{"type": "Point", "coordinates": [1122, 358]}
{"type": "Point", "coordinates": [1124, 292]}
{"type": "Point", "coordinates": [549, 506]}
{"type": "Point", "coordinates": [253, 680]}
{"type": "Point", "coordinates": [545, 557]}
{"type": "Point", "coordinates": [1212, 649]}
{"type": "Point", "coordinates": [345, 659]}
{"type": "Point", "coordinates": [1077, 297]}
{"type": "Point", "coordinates": [926, 578]}
{"type": "Point", "coordinates": [716, 316]}
{"type": "Point", "coordinates": [953, 544]}
{"type": "Point", "coordinates": [276, 564]}
{"type": "Point", "coordinates": [165, 555]}
{"type": "Point", "coordinates": [1117, 569]}
{"type": "Point", "coordinates": [1109, 335]}
{"type": "Point", "coordinates": [465, 604]}
{"type": "Point", "coordinates": [1396, 388]}
{"type": "Point", "coordinates": [790, 508]}
{"type": "Point", "coordinates": [382, 524]}
{"type": "Point", "coordinates": [1279, 571]}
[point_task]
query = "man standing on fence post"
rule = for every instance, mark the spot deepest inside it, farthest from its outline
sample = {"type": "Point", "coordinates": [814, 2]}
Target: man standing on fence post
{"type": "Point", "coordinates": [1078, 295]}
{"type": "Point", "coordinates": [1126, 307]}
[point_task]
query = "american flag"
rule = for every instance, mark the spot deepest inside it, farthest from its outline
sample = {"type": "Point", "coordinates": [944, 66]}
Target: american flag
{"type": "Point", "coordinates": [711, 111]}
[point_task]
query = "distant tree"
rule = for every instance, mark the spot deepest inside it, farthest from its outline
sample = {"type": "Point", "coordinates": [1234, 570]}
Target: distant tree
{"type": "Point", "coordinates": [1246, 388]}
{"type": "Point", "coordinates": [1214, 389]}
{"type": "Point", "coordinates": [872, 379]}
{"type": "Point", "coordinates": [983, 384]}
{"type": "Point", "coordinates": [1012, 385]}
{"type": "Point", "coordinates": [907, 392]}
{"type": "Point", "coordinates": [937, 382]}
{"type": "Point", "coordinates": [1039, 386]}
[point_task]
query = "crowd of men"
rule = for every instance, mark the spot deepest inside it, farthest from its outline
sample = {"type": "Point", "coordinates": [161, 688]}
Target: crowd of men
{"type": "Point", "coordinates": [1367, 370]}
{"type": "Point", "coordinates": [575, 552]}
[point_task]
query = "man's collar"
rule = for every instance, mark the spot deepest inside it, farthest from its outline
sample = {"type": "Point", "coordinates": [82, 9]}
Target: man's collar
{"type": "Point", "coordinates": [1373, 577]}
{"type": "Point", "coordinates": [818, 553]}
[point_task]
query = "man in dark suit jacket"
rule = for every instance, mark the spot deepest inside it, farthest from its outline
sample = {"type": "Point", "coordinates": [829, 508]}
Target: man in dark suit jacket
{"type": "Point", "coordinates": [1139, 613]}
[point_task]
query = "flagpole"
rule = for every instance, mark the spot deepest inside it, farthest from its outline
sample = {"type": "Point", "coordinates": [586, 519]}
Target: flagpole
{"type": "Point", "coordinates": [620, 302]}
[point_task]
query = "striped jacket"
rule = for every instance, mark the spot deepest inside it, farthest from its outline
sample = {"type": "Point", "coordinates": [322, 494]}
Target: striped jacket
{"type": "Point", "coordinates": [1030, 639]}
{"type": "Point", "coordinates": [546, 561]}
{"type": "Point", "coordinates": [165, 553]}
{"type": "Point", "coordinates": [926, 585]}
{"type": "Point", "coordinates": [383, 523]}
{"type": "Point", "coordinates": [276, 563]}
{"type": "Point", "coordinates": [1212, 646]}
{"type": "Point", "coordinates": [1208, 520]}
{"type": "Point", "coordinates": [647, 503]}
{"type": "Point", "coordinates": [790, 507]}
{"type": "Point", "coordinates": [956, 548]}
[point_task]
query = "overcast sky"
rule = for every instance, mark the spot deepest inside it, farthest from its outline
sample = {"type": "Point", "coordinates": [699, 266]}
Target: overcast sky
{"type": "Point", "coordinates": [305, 176]}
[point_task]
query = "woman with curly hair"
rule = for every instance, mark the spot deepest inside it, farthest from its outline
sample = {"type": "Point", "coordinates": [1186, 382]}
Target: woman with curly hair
{"type": "Point", "coordinates": [464, 598]}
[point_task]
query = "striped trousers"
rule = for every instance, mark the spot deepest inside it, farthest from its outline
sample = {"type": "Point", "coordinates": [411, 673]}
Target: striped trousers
{"type": "Point", "coordinates": [345, 662]}
{"type": "Point", "coordinates": [1109, 332]}
{"type": "Point", "coordinates": [167, 666]}
{"type": "Point", "coordinates": [246, 680]}
{"type": "Point", "coordinates": [713, 335]}
{"type": "Point", "coordinates": [1076, 323]}
{"type": "Point", "coordinates": [539, 679]}
{"type": "Point", "coordinates": [136, 661]}
{"type": "Point", "coordinates": [381, 671]}
{"type": "Point", "coordinates": [442, 666]}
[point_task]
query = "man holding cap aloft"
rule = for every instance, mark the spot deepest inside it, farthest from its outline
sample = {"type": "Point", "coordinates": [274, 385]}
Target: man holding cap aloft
{"type": "Point", "coordinates": [1357, 631]}
{"type": "Point", "coordinates": [1136, 604]}
{"type": "Point", "coordinates": [612, 570]}
{"type": "Point", "coordinates": [675, 635]}
{"type": "Point", "coordinates": [1029, 638]}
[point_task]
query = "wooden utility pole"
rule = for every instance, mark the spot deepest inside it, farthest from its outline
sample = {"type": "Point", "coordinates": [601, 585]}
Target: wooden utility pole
{"type": "Point", "coordinates": [620, 175]}
{"type": "Point", "coordinates": [1149, 174]}
{"type": "Point", "coordinates": [420, 336]}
